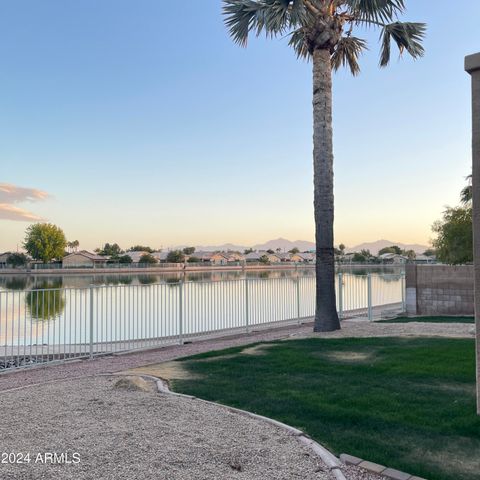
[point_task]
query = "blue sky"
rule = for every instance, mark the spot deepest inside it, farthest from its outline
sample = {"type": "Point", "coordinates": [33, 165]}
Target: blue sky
{"type": "Point", "coordinates": [144, 123]}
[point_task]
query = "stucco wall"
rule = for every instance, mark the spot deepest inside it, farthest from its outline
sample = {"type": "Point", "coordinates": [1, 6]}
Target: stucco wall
{"type": "Point", "coordinates": [439, 290]}
{"type": "Point", "coordinates": [77, 260]}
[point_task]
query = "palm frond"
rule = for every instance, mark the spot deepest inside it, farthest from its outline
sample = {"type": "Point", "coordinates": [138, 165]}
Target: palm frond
{"type": "Point", "coordinates": [366, 11]}
{"type": "Point", "coordinates": [297, 42]}
{"type": "Point", "coordinates": [407, 35]}
{"type": "Point", "coordinates": [347, 52]}
{"type": "Point", "coordinates": [273, 17]}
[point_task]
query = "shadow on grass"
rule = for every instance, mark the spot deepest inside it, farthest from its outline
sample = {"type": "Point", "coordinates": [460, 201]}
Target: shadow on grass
{"type": "Point", "coordinates": [429, 320]}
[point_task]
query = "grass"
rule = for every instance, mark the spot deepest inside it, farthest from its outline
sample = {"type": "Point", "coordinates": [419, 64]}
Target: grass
{"type": "Point", "coordinates": [430, 320]}
{"type": "Point", "coordinates": [405, 403]}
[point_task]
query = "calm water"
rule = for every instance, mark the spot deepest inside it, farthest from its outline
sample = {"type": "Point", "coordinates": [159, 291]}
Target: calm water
{"type": "Point", "coordinates": [139, 308]}
{"type": "Point", "coordinates": [30, 282]}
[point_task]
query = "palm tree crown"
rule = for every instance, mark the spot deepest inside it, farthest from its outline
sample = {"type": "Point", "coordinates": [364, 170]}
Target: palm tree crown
{"type": "Point", "coordinates": [326, 25]}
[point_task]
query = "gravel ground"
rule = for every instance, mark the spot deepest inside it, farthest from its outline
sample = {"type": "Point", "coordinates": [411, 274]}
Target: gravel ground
{"type": "Point", "coordinates": [143, 435]}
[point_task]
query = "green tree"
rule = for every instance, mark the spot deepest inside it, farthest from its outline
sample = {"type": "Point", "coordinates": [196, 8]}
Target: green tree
{"type": "Point", "coordinates": [194, 260]}
{"type": "Point", "coordinates": [189, 250]}
{"type": "Point", "coordinates": [148, 258]}
{"type": "Point", "coordinates": [141, 248]}
{"type": "Point", "coordinates": [454, 242]}
{"type": "Point", "coordinates": [410, 254]}
{"type": "Point", "coordinates": [393, 249]}
{"type": "Point", "coordinates": [430, 252]}
{"type": "Point", "coordinates": [358, 258]}
{"type": "Point", "coordinates": [466, 195]}
{"type": "Point", "coordinates": [247, 251]}
{"type": "Point", "coordinates": [264, 259]}
{"type": "Point", "coordinates": [125, 259]}
{"type": "Point", "coordinates": [175, 256]}
{"type": "Point", "coordinates": [270, 251]}
{"type": "Point", "coordinates": [17, 259]}
{"type": "Point", "coordinates": [45, 242]}
{"type": "Point", "coordinates": [322, 31]}
{"type": "Point", "coordinates": [110, 250]}
{"type": "Point", "coordinates": [294, 250]}
{"type": "Point", "coordinates": [342, 247]}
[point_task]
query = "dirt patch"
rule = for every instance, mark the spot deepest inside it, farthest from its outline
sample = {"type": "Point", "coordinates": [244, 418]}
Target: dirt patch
{"type": "Point", "coordinates": [257, 349]}
{"type": "Point", "coordinates": [462, 459]}
{"type": "Point", "coordinates": [134, 384]}
{"type": "Point", "coordinates": [348, 356]}
{"type": "Point", "coordinates": [166, 370]}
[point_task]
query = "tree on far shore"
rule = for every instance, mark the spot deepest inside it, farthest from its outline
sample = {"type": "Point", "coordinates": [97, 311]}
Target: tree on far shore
{"type": "Point", "coordinates": [45, 242]}
{"type": "Point", "coordinates": [175, 256]}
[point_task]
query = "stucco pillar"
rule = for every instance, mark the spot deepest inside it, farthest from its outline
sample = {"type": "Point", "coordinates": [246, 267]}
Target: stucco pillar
{"type": "Point", "coordinates": [411, 288]}
{"type": "Point", "coordinates": [472, 66]}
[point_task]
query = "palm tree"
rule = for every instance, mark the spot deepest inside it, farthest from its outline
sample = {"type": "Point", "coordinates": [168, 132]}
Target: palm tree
{"type": "Point", "coordinates": [467, 193]}
{"type": "Point", "coordinates": [322, 31]}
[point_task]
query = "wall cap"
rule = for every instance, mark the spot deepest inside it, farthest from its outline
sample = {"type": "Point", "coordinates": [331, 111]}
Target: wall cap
{"type": "Point", "coordinates": [472, 62]}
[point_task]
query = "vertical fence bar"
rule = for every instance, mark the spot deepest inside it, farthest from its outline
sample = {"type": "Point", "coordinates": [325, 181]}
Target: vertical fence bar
{"type": "Point", "coordinates": [180, 312]}
{"type": "Point", "coordinates": [298, 298]}
{"type": "Point", "coordinates": [402, 286]}
{"type": "Point", "coordinates": [247, 319]}
{"type": "Point", "coordinates": [369, 296]}
{"type": "Point", "coordinates": [340, 295]}
{"type": "Point", "coordinates": [91, 321]}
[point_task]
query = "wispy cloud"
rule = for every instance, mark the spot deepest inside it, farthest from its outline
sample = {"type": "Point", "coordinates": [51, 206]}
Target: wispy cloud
{"type": "Point", "coordinates": [11, 195]}
{"type": "Point", "coordinates": [10, 212]}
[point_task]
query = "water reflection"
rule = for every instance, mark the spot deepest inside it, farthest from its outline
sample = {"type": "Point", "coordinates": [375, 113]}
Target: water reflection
{"type": "Point", "coordinates": [47, 303]}
{"type": "Point", "coordinates": [30, 282]}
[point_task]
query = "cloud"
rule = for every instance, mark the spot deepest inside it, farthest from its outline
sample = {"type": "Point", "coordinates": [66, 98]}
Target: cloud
{"type": "Point", "coordinates": [10, 212]}
{"type": "Point", "coordinates": [13, 194]}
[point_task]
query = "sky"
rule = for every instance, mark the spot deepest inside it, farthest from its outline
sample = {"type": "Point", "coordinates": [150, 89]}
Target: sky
{"type": "Point", "coordinates": [141, 122]}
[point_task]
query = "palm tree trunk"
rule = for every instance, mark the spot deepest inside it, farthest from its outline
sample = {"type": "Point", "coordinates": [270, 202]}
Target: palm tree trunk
{"type": "Point", "coordinates": [326, 317]}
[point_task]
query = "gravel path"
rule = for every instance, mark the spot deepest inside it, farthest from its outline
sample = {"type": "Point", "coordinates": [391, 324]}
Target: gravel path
{"type": "Point", "coordinates": [127, 434]}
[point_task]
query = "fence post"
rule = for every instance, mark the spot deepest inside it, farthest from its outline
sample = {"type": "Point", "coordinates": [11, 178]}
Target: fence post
{"type": "Point", "coordinates": [369, 296]}
{"type": "Point", "coordinates": [402, 282]}
{"type": "Point", "coordinates": [91, 321]}
{"type": "Point", "coordinates": [247, 319]}
{"type": "Point", "coordinates": [180, 312]}
{"type": "Point", "coordinates": [340, 295]}
{"type": "Point", "coordinates": [298, 299]}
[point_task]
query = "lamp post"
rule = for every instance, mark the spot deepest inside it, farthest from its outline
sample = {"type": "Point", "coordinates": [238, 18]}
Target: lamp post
{"type": "Point", "coordinates": [472, 66]}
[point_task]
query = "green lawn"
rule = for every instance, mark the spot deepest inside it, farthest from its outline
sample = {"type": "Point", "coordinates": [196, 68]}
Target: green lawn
{"type": "Point", "coordinates": [430, 320]}
{"type": "Point", "coordinates": [404, 403]}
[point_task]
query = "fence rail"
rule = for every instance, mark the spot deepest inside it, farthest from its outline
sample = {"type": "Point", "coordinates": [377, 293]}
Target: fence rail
{"type": "Point", "coordinates": [39, 326]}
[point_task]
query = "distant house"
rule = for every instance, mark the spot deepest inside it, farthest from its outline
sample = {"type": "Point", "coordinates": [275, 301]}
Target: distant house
{"type": "Point", "coordinates": [160, 256]}
{"type": "Point", "coordinates": [136, 256]}
{"type": "Point", "coordinates": [285, 257]}
{"type": "Point", "coordinates": [425, 259]}
{"type": "Point", "coordinates": [3, 258]}
{"type": "Point", "coordinates": [256, 256]}
{"type": "Point", "coordinates": [393, 258]}
{"type": "Point", "coordinates": [212, 258]}
{"type": "Point", "coordinates": [83, 259]}
{"type": "Point", "coordinates": [234, 256]}
{"type": "Point", "coordinates": [306, 257]}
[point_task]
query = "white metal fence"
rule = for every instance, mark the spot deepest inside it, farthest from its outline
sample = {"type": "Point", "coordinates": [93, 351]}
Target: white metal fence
{"type": "Point", "coordinates": [38, 326]}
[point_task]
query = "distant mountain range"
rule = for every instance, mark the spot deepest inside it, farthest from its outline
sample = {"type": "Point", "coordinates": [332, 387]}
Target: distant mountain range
{"type": "Point", "coordinates": [375, 247]}
{"type": "Point", "coordinates": [303, 245]}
